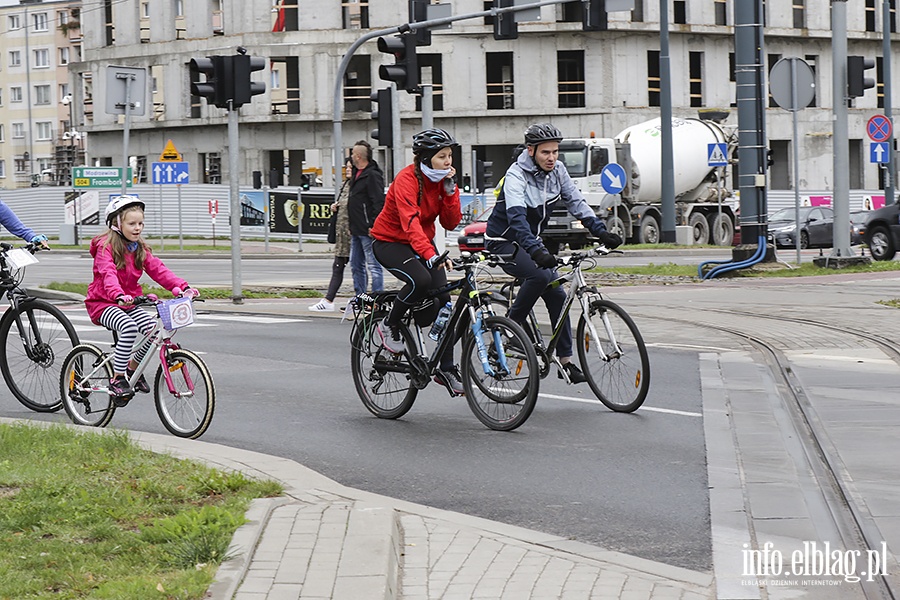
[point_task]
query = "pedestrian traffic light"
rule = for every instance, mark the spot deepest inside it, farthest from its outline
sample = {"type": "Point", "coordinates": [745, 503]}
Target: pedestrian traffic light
{"type": "Point", "coordinates": [244, 89]}
{"type": "Point", "coordinates": [418, 12]}
{"type": "Point", "coordinates": [857, 82]}
{"type": "Point", "coordinates": [593, 16]}
{"type": "Point", "coordinates": [770, 158]}
{"type": "Point", "coordinates": [383, 112]}
{"type": "Point", "coordinates": [483, 175]}
{"type": "Point", "coordinates": [505, 27]}
{"type": "Point", "coordinates": [217, 89]}
{"type": "Point", "coordinates": [467, 183]}
{"type": "Point", "coordinates": [405, 70]}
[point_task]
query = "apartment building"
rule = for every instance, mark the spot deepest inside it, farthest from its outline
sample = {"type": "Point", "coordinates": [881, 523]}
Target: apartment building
{"type": "Point", "coordinates": [38, 141]}
{"type": "Point", "coordinates": [486, 91]}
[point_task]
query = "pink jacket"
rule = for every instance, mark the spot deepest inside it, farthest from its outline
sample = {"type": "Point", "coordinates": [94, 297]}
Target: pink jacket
{"type": "Point", "coordinates": [110, 283]}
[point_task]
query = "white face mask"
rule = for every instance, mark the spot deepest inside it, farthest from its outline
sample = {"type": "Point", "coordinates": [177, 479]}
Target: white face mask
{"type": "Point", "coordinates": [434, 175]}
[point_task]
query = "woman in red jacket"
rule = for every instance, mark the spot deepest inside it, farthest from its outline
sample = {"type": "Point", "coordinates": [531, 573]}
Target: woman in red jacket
{"type": "Point", "coordinates": [404, 236]}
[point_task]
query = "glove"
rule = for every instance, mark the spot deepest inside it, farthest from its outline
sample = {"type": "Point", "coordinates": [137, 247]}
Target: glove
{"type": "Point", "coordinates": [39, 239]}
{"type": "Point", "coordinates": [432, 262]}
{"type": "Point", "coordinates": [449, 186]}
{"type": "Point", "coordinates": [543, 258]}
{"type": "Point", "coordinates": [125, 299]}
{"type": "Point", "coordinates": [152, 297]}
{"type": "Point", "coordinates": [190, 292]}
{"type": "Point", "coordinates": [610, 240]}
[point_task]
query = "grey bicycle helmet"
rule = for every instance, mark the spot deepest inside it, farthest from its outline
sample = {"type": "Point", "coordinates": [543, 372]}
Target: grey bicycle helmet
{"type": "Point", "coordinates": [428, 142]}
{"type": "Point", "coordinates": [542, 132]}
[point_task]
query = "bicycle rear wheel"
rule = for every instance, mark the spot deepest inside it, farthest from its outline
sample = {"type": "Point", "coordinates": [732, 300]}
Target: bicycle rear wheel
{"type": "Point", "coordinates": [382, 379]}
{"type": "Point", "coordinates": [188, 412]}
{"type": "Point", "coordinates": [622, 379]}
{"type": "Point", "coordinates": [84, 386]}
{"type": "Point", "coordinates": [32, 369]}
{"type": "Point", "coordinates": [506, 398]}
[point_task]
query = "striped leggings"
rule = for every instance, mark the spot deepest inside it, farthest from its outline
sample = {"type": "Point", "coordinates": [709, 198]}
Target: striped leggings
{"type": "Point", "coordinates": [127, 324]}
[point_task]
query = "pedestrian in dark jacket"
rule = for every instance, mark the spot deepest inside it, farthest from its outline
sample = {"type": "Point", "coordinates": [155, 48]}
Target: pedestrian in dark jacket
{"type": "Point", "coordinates": [365, 201]}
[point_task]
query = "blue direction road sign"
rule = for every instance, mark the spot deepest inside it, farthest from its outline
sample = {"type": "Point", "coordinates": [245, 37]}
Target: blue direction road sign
{"type": "Point", "coordinates": [717, 155]}
{"type": "Point", "coordinates": [612, 178]}
{"type": "Point", "coordinates": [878, 152]}
{"type": "Point", "coordinates": [169, 173]}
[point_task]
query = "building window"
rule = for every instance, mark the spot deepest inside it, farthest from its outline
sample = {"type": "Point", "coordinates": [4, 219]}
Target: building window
{"type": "Point", "coordinates": [18, 130]}
{"type": "Point", "coordinates": [570, 78]}
{"type": "Point", "coordinates": [62, 17]}
{"type": "Point", "coordinates": [286, 98]}
{"type": "Point", "coordinates": [3, 168]}
{"type": "Point", "coordinates": [276, 79]}
{"type": "Point", "coordinates": [14, 22]}
{"type": "Point", "coordinates": [356, 14]}
{"type": "Point", "coordinates": [721, 12]}
{"type": "Point", "coordinates": [44, 130]}
{"type": "Point", "coordinates": [15, 58]}
{"type": "Point", "coordinates": [358, 84]}
{"type": "Point", "coordinates": [2, 133]}
{"type": "Point", "coordinates": [773, 58]}
{"type": "Point", "coordinates": [40, 21]}
{"type": "Point", "coordinates": [63, 90]}
{"type": "Point", "coordinates": [799, 14]}
{"type": "Point", "coordinates": [179, 8]}
{"type": "Point", "coordinates": [679, 12]}
{"type": "Point", "coordinates": [1, 96]}
{"type": "Point", "coordinates": [109, 24]}
{"type": "Point", "coordinates": [64, 56]}
{"type": "Point", "coordinates": [812, 60]}
{"type": "Point", "coordinates": [500, 88]}
{"type": "Point", "coordinates": [879, 78]}
{"type": "Point", "coordinates": [145, 10]}
{"type": "Point", "coordinates": [285, 15]}
{"type": "Point", "coordinates": [431, 71]}
{"type": "Point", "coordinates": [732, 67]}
{"type": "Point", "coordinates": [21, 165]}
{"type": "Point", "coordinates": [15, 94]}
{"type": "Point", "coordinates": [42, 58]}
{"type": "Point", "coordinates": [570, 12]}
{"type": "Point", "coordinates": [871, 15]}
{"type": "Point", "coordinates": [653, 78]}
{"type": "Point", "coordinates": [637, 14]}
{"type": "Point", "coordinates": [42, 94]}
{"type": "Point", "coordinates": [696, 78]}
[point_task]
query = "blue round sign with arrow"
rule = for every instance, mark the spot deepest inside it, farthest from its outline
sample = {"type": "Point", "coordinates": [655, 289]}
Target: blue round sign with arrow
{"type": "Point", "coordinates": [612, 178]}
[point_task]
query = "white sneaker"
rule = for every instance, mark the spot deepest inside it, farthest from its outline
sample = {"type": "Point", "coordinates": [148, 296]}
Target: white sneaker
{"type": "Point", "coordinates": [322, 305]}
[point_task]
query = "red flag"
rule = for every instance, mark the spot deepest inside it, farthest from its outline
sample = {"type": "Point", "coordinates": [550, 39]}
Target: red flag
{"type": "Point", "coordinates": [279, 21]}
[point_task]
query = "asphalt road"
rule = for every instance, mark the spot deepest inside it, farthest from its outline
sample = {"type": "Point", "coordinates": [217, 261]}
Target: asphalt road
{"type": "Point", "coordinates": [633, 483]}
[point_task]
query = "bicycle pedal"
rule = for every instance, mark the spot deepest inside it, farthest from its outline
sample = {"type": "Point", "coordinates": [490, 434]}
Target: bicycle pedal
{"type": "Point", "coordinates": [121, 401]}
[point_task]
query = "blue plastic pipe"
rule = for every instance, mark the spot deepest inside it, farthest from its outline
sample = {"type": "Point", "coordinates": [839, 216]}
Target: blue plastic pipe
{"type": "Point", "coordinates": [726, 266]}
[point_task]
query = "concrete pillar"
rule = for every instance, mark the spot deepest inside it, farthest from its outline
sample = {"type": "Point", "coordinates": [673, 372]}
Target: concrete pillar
{"type": "Point", "coordinates": [198, 19]}
{"type": "Point", "coordinates": [162, 21]}
{"type": "Point", "coordinates": [127, 18]}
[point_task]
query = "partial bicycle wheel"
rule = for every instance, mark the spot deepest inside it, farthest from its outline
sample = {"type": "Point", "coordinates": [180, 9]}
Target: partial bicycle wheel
{"type": "Point", "coordinates": [503, 392]}
{"type": "Point", "coordinates": [383, 380]}
{"type": "Point", "coordinates": [188, 411]}
{"type": "Point", "coordinates": [31, 356]}
{"type": "Point", "coordinates": [620, 374]}
{"type": "Point", "coordinates": [83, 385]}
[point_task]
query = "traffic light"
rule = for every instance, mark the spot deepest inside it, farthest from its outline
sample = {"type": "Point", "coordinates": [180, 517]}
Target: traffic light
{"type": "Point", "coordinates": [483, 175]}
{"type": "Point", "coordinates": [405, 70]}
{"type": "Point", "coordinates": [505, 27]}
{"type": "Point", "coordinates": [244, 89]}
{"type": "Point", "coordinates": [383, 111]}
{"type": "Point", "coordinates": [219, 84]}
{"type": "Point", "coordinates": [857, 82]}
{"type": "Point", "coordinates": [593, 16]}
{"type": "Point", "coordinates": [770, 158]}
{"type": "Point", "coordinates": [417, 13]}
{"type": "Point", "coordinates": [467, 184]}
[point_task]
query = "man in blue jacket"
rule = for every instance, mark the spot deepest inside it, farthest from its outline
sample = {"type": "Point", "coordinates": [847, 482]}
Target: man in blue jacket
{"type": "Point", "coordinates": [532, 187]}
{"type": "Point", "coordinates": [9, 220]}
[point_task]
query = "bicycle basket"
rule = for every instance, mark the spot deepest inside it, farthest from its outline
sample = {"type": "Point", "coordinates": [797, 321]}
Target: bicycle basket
{"type": "Point", "coordinates": [175, 313]}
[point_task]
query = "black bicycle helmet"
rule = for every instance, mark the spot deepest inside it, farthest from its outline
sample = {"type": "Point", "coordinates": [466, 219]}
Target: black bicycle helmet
{"type": "Point", "coordinates": [428, 142]}
{"type": "Point", "coordinates": [542, 132]}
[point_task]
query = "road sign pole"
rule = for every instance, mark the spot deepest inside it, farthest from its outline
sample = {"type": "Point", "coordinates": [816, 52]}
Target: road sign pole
{"type": "Point", "coordinates": [127, 77]}
{"type": "Point", "coordinates": [234, 203]}
{"type": "Point", "coordinates": [162, 242]}
{"type": "Point", "coordinates": [180, 232]}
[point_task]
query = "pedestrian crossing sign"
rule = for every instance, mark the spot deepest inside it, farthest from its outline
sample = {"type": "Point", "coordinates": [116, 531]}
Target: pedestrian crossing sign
{"type": "Point", "coordinates": [717, 155]}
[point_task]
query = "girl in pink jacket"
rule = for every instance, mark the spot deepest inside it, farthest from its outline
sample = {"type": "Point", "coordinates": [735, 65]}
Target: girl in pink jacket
{"type": "Point", "coordinates": [120, 258]}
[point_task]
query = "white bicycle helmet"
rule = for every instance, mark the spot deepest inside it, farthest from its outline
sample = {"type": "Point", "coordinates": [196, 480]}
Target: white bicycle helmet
{"type": "Point", "coordinates": [116, 205]}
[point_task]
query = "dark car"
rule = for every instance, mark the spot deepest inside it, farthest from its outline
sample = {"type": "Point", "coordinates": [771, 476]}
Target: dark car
{"type": "Point", "coordinates": [562, 228]}
{"type": "Point", "coordinates": [816, 227]}
{"type": "Point", "coordinates": [472, 237]}
{"type": "Point", "coordinates": [883, 232]}
{"type": "Point", "coordinates": [858, 227]}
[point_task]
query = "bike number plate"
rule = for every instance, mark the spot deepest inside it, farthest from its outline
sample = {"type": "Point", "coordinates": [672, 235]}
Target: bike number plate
{"type": "Point", "coordinates": [18, 258]}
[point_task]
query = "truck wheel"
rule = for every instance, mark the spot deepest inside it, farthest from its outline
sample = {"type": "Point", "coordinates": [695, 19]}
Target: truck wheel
{"type": "Point", "coordinates": [615, 225]}
{"type": "Point", "coordinates": [649, 230]}
{"type": "Point", "coordinates": [699, 228]}
{"type": "Point", "coordinates": [880, 243]}
{"type": "Point", "coordinates": [721, 229]}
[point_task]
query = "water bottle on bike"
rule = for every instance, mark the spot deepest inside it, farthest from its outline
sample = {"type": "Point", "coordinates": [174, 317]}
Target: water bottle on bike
{"type": "Point", "coordinates": [440, 322]}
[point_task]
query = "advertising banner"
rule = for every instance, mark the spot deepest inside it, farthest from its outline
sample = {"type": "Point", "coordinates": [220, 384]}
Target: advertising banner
{"type": "Point", "coordinates": [315, 212]}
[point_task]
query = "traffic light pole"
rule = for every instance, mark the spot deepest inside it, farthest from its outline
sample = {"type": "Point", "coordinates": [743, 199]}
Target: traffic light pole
{"type": "Point", "coordinates": [841, 131]}
{"type": "Point", "coordinates": [888, 101]}
{"type": "Point", "coordinates": [234, 204]}
{"type": "Point", "coordinates": [337, 107]}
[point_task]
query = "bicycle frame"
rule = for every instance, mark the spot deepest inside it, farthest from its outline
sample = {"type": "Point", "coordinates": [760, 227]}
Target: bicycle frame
{"type": "Point", "coordinates": [16, 297]}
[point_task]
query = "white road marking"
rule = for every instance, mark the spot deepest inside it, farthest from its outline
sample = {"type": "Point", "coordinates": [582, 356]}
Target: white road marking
{"type": "Point", "coordinates": [669, 411]}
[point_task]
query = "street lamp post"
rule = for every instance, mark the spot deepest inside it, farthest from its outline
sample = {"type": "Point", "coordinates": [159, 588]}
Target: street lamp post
{"type": "Point", "coordinates": [70, 135]}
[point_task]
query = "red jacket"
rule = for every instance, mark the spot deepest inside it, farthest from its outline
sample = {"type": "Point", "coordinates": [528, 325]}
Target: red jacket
{"type": "Point", "coordinates": [109, 282]}
{"type": "Point", "coordinates": [406, 220]}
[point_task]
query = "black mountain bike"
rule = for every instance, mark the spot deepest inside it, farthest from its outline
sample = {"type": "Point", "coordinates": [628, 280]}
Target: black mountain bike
{"type": "Point", "coordinates": [611, 350]}
{"type": "Point", "coordinates": [499, 366]}
{"type": "Point", "coordinates": [35, 336]}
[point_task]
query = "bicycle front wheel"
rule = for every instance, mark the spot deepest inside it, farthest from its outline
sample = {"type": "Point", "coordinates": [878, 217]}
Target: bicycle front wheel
{"type": "Point", "coordinates": [188, 410]}
{"type": "Point", "coordinates": [84, 385]}
{"type": "Point", "coordinates": [35, 337]}
{"type": "Point", "coordinates": [503, 392]}
{"type": "Point", "coordinates": [615, 362]}
{"type": "Point", "coordinates": [383, 380]}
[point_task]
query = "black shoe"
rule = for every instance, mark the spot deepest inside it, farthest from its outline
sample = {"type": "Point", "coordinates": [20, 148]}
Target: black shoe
{"type": "Point", "coordinates": [451, 380]}
{"type": "Point", "coordinates": [574, 373]}
{"type": "Point", "coordinates": [120, 391]}
{"type": "Point", "coordinates": [141, 384]}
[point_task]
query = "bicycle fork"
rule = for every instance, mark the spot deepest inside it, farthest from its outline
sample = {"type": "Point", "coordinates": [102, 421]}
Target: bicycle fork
{"type": "Point", "coordinates": [477, 329]}
{"type": "Point", "coordinates": [604, 316]}
{"type": "Point", "coordinates": [168, 367]}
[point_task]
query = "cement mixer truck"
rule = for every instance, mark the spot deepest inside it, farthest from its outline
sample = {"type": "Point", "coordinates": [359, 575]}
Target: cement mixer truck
{"type": "Point", "coordinates": [636, 212]}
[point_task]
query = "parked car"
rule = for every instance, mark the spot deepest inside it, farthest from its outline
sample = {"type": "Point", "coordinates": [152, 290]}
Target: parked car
{"type": "Point", "coordinates": [562, 228]}
{"type": "Point", "coordinates": [816, 227]}
{"type": "Point", "coordinates": [883, 232]}
{"type": "Point", "coordinates": [472, 237]}
{"type": "Point", "coordinates": [858, 226]}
